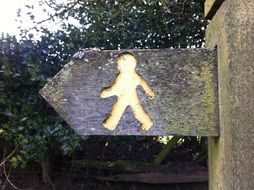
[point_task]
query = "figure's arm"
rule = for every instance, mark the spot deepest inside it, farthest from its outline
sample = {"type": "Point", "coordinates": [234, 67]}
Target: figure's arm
{"type": "Point", "coordinates": [110, 91]}
{"type": "Point", "coordinates": [107, 92]}
{"type": "Point", "coordinates": [146, 87]}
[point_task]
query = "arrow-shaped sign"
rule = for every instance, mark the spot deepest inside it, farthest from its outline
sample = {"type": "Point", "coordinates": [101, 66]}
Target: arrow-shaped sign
{"type": "Point", "coordinates": [181, 82]}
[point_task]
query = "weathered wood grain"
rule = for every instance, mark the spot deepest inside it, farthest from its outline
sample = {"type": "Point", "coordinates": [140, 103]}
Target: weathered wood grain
{"type": "Point", "coordinates": [184, 80]}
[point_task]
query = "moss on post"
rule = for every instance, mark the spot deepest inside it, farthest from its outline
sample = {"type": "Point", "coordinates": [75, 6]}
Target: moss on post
{"type": "Point", "coordinates": [231, 163]}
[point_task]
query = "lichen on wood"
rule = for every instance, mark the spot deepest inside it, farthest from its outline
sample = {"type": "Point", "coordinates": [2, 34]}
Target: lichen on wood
{"type": "Point", "coordinates": [184, 80]}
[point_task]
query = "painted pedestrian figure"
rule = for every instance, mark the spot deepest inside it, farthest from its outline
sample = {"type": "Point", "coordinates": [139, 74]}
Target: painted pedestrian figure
{"type": "Point", "coordinates": [124, 87]}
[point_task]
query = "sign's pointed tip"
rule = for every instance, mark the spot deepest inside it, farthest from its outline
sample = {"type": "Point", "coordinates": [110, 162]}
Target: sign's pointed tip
{"type": "Point", "coordinates": [41, 91]}
{"type": "Point", "coordinates": [44, 92]}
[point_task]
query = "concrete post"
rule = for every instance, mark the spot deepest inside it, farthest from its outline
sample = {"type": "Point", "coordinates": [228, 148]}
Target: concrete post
{"type": "Point", "coordinates": [231, 156]}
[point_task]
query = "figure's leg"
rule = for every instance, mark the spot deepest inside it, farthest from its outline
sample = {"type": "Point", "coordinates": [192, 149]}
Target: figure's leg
{"type": "Point", "coordinates": [142, 116]}
{"type": "Point", "coordinates": [115, 115]}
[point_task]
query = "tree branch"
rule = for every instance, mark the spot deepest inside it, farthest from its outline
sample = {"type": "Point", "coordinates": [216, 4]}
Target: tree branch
{"type": "Point", "coordinates": [7, 158]}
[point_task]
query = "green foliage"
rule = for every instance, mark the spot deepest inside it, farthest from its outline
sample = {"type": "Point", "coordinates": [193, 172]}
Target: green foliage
{"type": "Point", "coordinates": [26, 120]}
{"type": "Point", "coordinates": [125, 24]}
{"type": "Point", "coordinates": [141, 24]}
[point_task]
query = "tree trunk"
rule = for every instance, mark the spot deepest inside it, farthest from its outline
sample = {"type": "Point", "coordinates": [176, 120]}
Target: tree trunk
{"type": "Point", "coordinates": [165, 151]}
{"type": "Point", "coordinates": [46, 168]}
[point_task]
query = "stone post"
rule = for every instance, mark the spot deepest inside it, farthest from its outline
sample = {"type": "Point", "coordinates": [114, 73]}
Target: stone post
{"type": "Point", "coordinates": [231, 156]}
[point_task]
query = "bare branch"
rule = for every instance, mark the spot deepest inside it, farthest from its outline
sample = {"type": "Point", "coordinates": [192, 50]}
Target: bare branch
{"type": "Point", "coordinates": [58, 13]}
{"type": "Point", "coordinates": [7, 158]}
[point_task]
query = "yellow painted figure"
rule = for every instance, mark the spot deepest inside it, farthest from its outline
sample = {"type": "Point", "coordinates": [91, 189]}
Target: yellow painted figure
{"type": "Point", "coordinates": [124, 87]}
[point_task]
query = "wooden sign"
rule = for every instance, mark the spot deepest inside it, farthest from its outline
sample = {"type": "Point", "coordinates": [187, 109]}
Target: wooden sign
{"type": "Point", "coordinates": [138, 92]}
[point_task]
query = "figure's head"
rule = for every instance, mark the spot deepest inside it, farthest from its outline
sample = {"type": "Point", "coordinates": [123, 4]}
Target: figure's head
{"type": "Point", "coordinates": [126, 61]}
